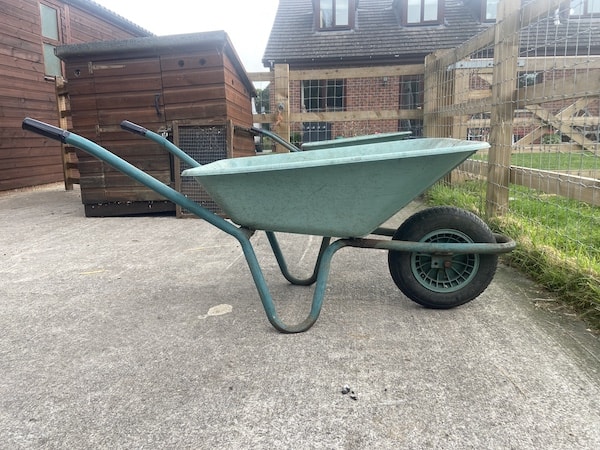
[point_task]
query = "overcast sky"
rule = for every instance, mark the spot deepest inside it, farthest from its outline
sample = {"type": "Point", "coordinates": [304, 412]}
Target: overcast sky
{"type": "Point", "coordinates": [247, 22]}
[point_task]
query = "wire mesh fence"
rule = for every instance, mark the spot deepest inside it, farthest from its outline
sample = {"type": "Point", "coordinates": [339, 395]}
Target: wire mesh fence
{"type": "Point", "coordinates": [539, 105]}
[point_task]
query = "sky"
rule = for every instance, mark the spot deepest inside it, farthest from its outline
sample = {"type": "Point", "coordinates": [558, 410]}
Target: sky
{"type": "Point", "coordinates": [247, 22]}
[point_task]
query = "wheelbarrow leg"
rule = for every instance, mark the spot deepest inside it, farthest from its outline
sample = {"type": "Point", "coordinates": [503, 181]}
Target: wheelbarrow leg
{"type": "Point", "coordinates": [283, 265]}
{"type": "Point", "coordinates": [318, 295]}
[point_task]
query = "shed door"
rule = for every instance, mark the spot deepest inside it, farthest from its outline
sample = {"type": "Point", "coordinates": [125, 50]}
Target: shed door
{"type": "Point", "coordinates": [128, 89]}
{"type": "Point", "coordinates": [105, 93]}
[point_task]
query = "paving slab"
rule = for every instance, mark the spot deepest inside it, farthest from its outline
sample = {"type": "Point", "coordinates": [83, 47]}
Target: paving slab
{"type": "Point", "coordinates": [147, 332]}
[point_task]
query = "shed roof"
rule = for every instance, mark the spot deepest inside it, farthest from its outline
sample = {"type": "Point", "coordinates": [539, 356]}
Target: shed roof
{"type": "Point", "coordinates": [157, 45]}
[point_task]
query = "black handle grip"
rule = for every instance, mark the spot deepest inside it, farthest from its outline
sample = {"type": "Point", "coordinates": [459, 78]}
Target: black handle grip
{"type": "Point", "coordinates": [44, 129]}
{"type": "Point", "coordinates": [133, 127]}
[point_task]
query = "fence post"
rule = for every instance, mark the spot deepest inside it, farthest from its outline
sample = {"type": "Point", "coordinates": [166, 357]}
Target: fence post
{"type": "Point", "coordinates": [435, 96]}
{"type": "Point", "coordinates": [462, 80]}
{"type": "Point", "coordinates": [506, 54]}
{"type": "Point", "coordinates": [438, 90]}
{"type": "Point", "coordinates": [282, 104]}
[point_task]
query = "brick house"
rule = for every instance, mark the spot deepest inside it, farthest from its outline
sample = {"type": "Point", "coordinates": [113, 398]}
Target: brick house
{"type": "Point", "coordinates": [29, 32]}
{"type": "Point", "coordinates": [333, 34]}
{"type": "Point", "coordinates": [311, 34]}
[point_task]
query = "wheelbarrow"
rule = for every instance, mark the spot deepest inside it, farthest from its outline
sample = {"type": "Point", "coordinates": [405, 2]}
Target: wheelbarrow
{"type": "Point", "coordinates": [342, 191]}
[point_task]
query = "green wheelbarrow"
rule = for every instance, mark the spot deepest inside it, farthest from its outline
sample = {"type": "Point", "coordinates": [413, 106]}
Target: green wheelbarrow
{"type": "Point", "coordinates": [343, 191]}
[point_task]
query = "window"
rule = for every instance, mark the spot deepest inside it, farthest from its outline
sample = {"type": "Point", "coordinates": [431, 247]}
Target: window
{"type": "Point", "coordinates": [422, 12]}
{"type": "Point", "coordinates": [50, 39]}
{"type": "Point", "coordinates": [323, 95]}
{"type": "Point", "coordinates": [491, 10]}
{"type": "Point", "coordinates": [411, 97]}
{"type": "Point", "coordinates": [585, 7]}
{"type": "Point", "coordinates": [335, 14]}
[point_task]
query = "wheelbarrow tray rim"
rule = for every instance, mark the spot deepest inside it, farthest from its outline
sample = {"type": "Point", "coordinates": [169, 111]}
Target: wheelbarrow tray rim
{"type": "Point", "coordinates": [343, 192]}
{"type": "Point", "coordinates": [347, 154]}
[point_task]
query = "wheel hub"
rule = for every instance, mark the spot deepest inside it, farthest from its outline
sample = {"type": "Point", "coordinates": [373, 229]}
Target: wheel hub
{"type": "Point", "coordinates": [444, 273]}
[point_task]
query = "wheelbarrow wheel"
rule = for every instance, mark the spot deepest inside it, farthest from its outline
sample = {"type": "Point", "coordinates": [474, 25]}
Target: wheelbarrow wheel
{"type": "Point", "coordinates": [442, 281]}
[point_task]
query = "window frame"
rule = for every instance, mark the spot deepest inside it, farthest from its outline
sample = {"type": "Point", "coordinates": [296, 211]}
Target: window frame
{"type": "Point", "coordinates": [422, 21]}
{"type": "Point", "coordinates": [49, 43]}
{"type": "Point", "coordinates": [484, 10]}
{"type": "Point", "coordinates": [325, 102]}
{"type": "Point", "coordinates": [585, 7]}
{"type": "Point", "coordinates": [334, 27]}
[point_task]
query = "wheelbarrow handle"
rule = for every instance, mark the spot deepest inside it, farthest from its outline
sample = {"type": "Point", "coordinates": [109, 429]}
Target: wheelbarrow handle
{"type": "Point", "coordinates": [134, 128]}
{"type": "Point", "coordinates": [45, 129]}
{"type": "Point", "coordinates": [241, 234]}
{"type": "Point", "coordinates": [257, 131]}
{"type": "Point", "coordinates": [161, 140]}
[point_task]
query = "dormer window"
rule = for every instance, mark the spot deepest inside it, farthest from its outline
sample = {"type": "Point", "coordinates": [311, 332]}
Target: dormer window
{"type": "Point", "coordinates": [419, 12]}
{"type": "Point", "coordinates": [484, 10]}
{"type": "Point", "coordinates": [335, 14]}
{"type": "Point", "coordinates": [585, 7]}
{"type": "Point", "coordinates": [490, 10]}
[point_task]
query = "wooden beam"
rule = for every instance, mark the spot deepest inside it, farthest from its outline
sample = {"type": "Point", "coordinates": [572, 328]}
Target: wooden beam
{"type": "Point", "coordinates": [528, 64]}
{"type": "Point", "coordinates": [462, 83]}
{"type": "Point", "coordinates": [506, 52]}
{"type": "Point", "coordinates": [357, 72]}
{"type": "Point", "coordinates": [556, 122]}
{"type": "Point", "coordinates": [281, 125]}
{"type": "Point", "coordinates": [559, 62]}
{"type": "Point", "coordinates": [568, 88]}
{"type": "Point", "coordinates": [344, 116]}
{"type": "Point", "coordinates": [437, 97]}
{"type": "Point", "coordinates": [68, 155]}
{"type": "Point", "coordinates": [531, 137]}
{"type": "Point", "coordinates": [469, 107]}
{"type": "Point", "coordinates": [575, 187]}
{"type": "Point", "coordinates": [257, 77]}
{"type": "Point", "coordinates": [539, 131]}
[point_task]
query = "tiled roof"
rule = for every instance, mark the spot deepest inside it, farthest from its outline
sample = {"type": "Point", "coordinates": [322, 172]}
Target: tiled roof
{"type": "Point", "coordinates": [376, 37]}
{"type": "Point", "coordinates": [379, 38]}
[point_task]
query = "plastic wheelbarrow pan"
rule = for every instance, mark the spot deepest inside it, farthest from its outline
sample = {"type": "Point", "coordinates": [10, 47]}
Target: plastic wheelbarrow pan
{"type": "Point", "coordinates": [345, 191]}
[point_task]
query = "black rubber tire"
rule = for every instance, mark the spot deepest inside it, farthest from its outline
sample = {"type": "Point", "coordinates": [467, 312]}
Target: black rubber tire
{"type": "Point", "coordinates": [442, 282]}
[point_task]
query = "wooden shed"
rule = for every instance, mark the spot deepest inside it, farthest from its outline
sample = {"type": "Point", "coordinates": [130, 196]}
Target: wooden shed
{"type": "Point", "coordinates": [192, 87]}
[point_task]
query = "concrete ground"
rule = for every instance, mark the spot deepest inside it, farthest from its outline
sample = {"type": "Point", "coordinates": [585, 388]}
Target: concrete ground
{"type": "Point", "coordinates": [147, 332]}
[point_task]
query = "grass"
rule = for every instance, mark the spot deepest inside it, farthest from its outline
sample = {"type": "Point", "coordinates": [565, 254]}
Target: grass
{"type": "Point", "coordinates": [558, 240]}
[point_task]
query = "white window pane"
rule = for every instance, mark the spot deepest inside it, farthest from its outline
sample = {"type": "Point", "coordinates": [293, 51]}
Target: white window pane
{"type": "Point", "coordinates": [52, 64]}
{"type": "Point", "coordinates": [593, 6]}
{"type": "Point", "coordinates": [413, 11]}
{"type": "Point", "coordinates": [341, 13]}
{"type": "Point", "coordinates": [326, 13]}
{"type": "Point", "coordinates": [491, 9]}
{"type": "Point", "coordinates": [577, 7]}
{"type": "Point", "coordinates": [49, 22]}
{"type": "Point", "coordinates": [431, 10]}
